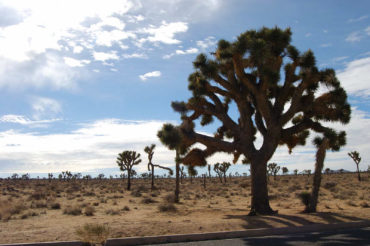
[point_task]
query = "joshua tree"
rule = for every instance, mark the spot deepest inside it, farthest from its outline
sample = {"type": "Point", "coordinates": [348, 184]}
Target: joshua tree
{"type": "Point", "coordinates": [273, 169]}
{"type": "Point", "coordinates": [295, 172]}
{"type": "Point", "coordinates": [171, 136]}
{"type": "Point", "coordinates": [223, 167]}
{"type": "Point", "coordinates": [150, 151]}
{"type": "Point", "coordinates": [327, 171]}
{"type": "Point", "coordinates": [182, 173]}
{"type": "Point", "coordinates": [192, 172]}
{"type": "Point", "coordinates": [285, 170]}
{"type": "Point", "coordinates": [281, 107]}
{"type": "Point", "coordinates": [126, 161]}
{"type": "Point", "coordinates": [357, 159]}
{"type": "Point", "coordinates": [217, 169]}
{"type": "Point", "coordinates": [50, 176]}
{"type": "Point", "coordinates": [209, 171]}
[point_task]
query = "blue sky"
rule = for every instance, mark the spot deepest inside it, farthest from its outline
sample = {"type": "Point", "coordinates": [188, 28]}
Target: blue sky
{"type": "Point", "coordinates": [82, 80]}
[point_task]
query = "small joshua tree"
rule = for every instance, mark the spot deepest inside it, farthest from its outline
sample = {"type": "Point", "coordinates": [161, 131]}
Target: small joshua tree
{"type": "Point", "coordinates": [224, 166]}
{"type": "Point", "coordinates": [295, 172]}
{"type": "Point", "coordinates": [357, 159]}
{"type": "Point", "coordinates": [150, 151]}
{"type": "Point", "coordinates": [126, 160]}
{"type": "Point", "coordinates": [217, 170]}
{"type": "Point", "coordinates": [285, 170]}
{"type": "Point", "coordinates": [327, 171]}
{"type": "Point", "coordinates": [209, 170]}
{"type": "Point", "coordinates": [182, 173]}
{"type": "Point", "coordinates": [273, 169]}
{"type": "Point", "coordinates": [192, 172]}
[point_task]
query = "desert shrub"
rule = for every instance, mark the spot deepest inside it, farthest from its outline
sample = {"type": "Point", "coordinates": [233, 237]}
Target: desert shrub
{"type": "Point", "coordinates": [95, 204]}
{"type": "Point", "coordinates": [294, 187]}
{"type": "Point", "coordinates": [136, 193]}
{"type": "Point", "coordinates": [89, 193]}
{"type": "Point", "coordinates": [37, 195]}
{"type": "Point", "coordinates": [305, 198]}
{"type": "Point", "coordinates": [364, 204]}
{"type": "Point", "coordinates": [7, 209]}
{"type": "Point", "coordinates": [72, 210]}
{"type": "Point", "coordinates": [54, 205]}
{"type": "Point", "coordinates": [167, 207]}
{"type": "Point", "coordinates": [93, 234]}
{"type": "Point", "coordinates": [329, 185]}
{"type": "Point", "coordinates": [148, 200]}
{"type": "Point", "coordinates": [126, 208]}
{"type": "Point", "coordinates": [170, 198]}
{"type": "Point", "coordinates": [351, 203]}
{"type": "Point", "coordinates": [112, 211]}
{"type": "Point", "coordinates": [39, 204]}
{"type": "Point", "coordinates": [89, 211]}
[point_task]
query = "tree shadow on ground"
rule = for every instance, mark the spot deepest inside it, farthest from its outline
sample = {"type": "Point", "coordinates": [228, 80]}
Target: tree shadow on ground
{"type": "Point", "coordinates": [283, 220]}
{"type": "Point", "coordinates": [358, 236]}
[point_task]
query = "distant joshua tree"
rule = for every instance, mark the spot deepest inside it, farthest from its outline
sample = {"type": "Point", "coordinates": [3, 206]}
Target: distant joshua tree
{"type": "Point", "coordinates": [150, 151]}
{"type": "Point", "coordinates": [224, 166]}
{"type": "Point", "coordinates": [327, 171]}
{"type": "Point", "coordinates": [182, 173]}
{"type": "Point", "coordinates": [273, 169]}
{"type": "Point", "coordinates": [357, 159]}
{"type": "Point", "coordinates": [192, 172]}
{"type": "Point", "coordinates": [218, 171]}
{"type": "Point", "coordinates": [126, 160]}
{"type": "Point", "coordinates": [295, 172]}
{"type": "Point", "coordinates": [209, 170]}
{"type": "Point", "coordinates": [285, 170]}
{"type": "Point", "coordinates": [50, 176]}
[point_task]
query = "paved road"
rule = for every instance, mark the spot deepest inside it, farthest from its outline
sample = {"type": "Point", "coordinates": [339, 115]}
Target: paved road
{"type": "Point", "coordinates": [356, 237]}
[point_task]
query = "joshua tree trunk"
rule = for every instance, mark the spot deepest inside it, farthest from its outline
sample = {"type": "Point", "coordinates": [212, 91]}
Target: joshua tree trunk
{"type": "Point", "coordinates": [260, 200]}
{"type": "Point", "coordinates": [129, 180]}
{"type": "Point", "coordinates": [320, 157]}
{"type": "Point", "coordinates": [177, 189]}
{"type": "Point", "coordinates": [225, 177]}
{"type": "Point", "coordinates": [358, 172]}
{"type": "Point", "coordinates": [152, 177]}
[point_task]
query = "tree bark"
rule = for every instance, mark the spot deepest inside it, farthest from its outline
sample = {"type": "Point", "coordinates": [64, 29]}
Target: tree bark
{"type": "Point", "coordinates": [177, 188]}
{"type": "Point", "coordinates": [129, 180]}
{"type": "Point", "coordinates": [259, 201]}
{"type": "Point", "coordinates": [152, 177]}
{"type": "Point", "coordinates": [320, 157]}
{"type": "Point", "coordinates": [358, 172]}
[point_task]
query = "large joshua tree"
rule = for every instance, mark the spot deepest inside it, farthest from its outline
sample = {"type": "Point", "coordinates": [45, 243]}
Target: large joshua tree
{"type": "Point", "coordinates": [150, 151]}
{"type": "Point", "coordinates": [126, 161]}
{"type": "Point", "coordinates": [274, 90]}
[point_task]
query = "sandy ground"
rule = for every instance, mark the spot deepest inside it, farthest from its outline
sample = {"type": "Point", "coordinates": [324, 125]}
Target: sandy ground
{"type": "Point", "coordinates": [219, 207]}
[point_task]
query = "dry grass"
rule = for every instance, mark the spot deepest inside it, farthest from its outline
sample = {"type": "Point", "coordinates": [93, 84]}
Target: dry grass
{"type": "Point", "coordinates": [38, 210]}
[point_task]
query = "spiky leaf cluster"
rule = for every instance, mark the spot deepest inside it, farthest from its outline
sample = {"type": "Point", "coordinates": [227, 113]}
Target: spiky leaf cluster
{"type": "Point", "coordinates": [277, 91]}
{"type": "Point", "coordinates": [127, 159]}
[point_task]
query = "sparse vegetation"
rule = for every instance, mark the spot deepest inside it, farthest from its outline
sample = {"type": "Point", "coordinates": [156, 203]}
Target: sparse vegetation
{"type": "Point", "coordinates": [94, 234]}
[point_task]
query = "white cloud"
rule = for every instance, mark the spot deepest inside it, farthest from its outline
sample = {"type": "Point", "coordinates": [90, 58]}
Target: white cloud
{"type": "Point", "coordinates": [91, 146]}
{"type": "Point", "coordinates": [355, 78]}
{"type": "Point", "coordinates": [367, 30]}
{"type": "Point", "coordinates": [182, 52]}
{"type": "Point", "coordinates": [22, 120]}
{"type": "Point", "coordinates": [326, 45]}
{"type": "Point", "coordinates": [103, 56]}
{"type": "Point", "coordinates": [45, 70]}
{"type": "Point", "coordinates": [44, 107]}
{"type": "Point", "coordinates": [165, 33]}
{"type": "Point", "coordinates": [74, 62]}
{"type": "Point", "coordinates": [361, 18]}
{"type": "Point", "coordinates": [150, 75]}
{"type": "Point", "coordinates": [135, 55]}
{"type": "Point", "coordinates": [207, 42]}
{"type": "Point", "coordinates": [354, 37]}
{"type": "Point", "coordinates": [308, 34]}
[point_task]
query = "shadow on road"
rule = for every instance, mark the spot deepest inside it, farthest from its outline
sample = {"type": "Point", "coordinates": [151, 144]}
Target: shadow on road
{"type": "Point", "coordinates": [282, 220]}
{"type": "Point", "coordinates": [356, 237]}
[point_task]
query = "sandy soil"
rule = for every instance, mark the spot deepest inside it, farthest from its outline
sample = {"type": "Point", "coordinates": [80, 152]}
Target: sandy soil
{"type": "Point", "coordinates": [27, 216]}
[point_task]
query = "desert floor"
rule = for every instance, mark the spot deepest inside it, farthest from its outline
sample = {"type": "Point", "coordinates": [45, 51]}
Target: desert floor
{"type": "Point", "coordinates": [39, 210]}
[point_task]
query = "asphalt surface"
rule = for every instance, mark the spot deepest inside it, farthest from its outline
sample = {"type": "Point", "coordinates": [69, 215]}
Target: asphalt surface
{"type": "Point", "coordinates": [360, 236]}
